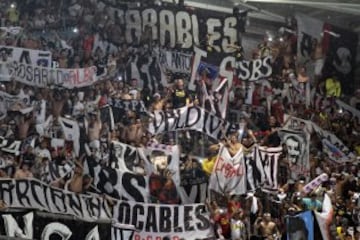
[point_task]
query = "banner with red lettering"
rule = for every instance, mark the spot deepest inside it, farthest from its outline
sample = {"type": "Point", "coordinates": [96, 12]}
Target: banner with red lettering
{"type": "Point", "coordinates": [229, 173]}
{"type": "Point", "coordinates": [44, 77]}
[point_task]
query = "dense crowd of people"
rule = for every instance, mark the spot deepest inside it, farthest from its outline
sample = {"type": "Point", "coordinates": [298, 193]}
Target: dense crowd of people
{"type": "Point", "coordinates": [82, 33]}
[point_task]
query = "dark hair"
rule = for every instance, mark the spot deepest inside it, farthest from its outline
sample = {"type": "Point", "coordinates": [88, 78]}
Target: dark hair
{"type": "Point", "coordinates": [157, 153]}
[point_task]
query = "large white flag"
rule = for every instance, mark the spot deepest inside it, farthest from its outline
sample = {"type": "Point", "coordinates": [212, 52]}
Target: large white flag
{"type": "Point", "coordinates": [324, 218]}
{"type": "Point", "coordinates": [229, 173]}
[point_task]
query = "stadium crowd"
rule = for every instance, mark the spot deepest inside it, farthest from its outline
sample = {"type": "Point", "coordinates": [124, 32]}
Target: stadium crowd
{"type": "Point", "coordinates": [81, 33]}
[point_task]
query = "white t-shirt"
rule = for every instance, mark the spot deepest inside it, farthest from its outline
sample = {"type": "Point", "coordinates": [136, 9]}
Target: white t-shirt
{"type": "Point", "coordinates": [42, 153]}
{"type": "Point", "coordinates": [78, 109]}
{"type": "Point", "coordinates": [238, 230]}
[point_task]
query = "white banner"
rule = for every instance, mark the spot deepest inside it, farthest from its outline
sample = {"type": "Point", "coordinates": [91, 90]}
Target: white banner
{"type": "Point", "coordinates": [229, 173]}
{"type": "Point", "coordinates": [188, 118]}
{"type": "Point", "coordinates": [155, 221]}
{"type": "Point", "coordinates": [33, 194]}
{"type": "Point", "coordinates": [45, 77]}
{"type": "Point", "coordinates": [175, 61]}
{"type": "Point", "coordinates": [26, 56]}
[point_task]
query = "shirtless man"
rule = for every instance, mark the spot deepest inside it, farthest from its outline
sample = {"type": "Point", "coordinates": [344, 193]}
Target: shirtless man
{"type": "Point", "coordinates": [58, 100]}
{"type": "Point", "coordinates": [23, 124]}
{"type": "Point", "coordinates": [232, 143]}
{"type": "Point", "coordinates": [23, 171]}
{"type": "Point", "coordinates": [266, 227]}
{"type": "Point", "coordinates": [94, 128]}
{"type": "Point", "coordinates": [125, 94]}
{"type": "Point", "coordinates": [158, 103]}
{"type": "Point", "coordinates": [318, 57]}
{"type": "Point", "coordinates": [134, 131]}
{"type": "Point", "coordinates": [77, 184]}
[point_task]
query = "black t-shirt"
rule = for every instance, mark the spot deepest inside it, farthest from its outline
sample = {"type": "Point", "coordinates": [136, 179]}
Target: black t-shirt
{"type": "Point", "coordinates": [100, 66]}
{"type": "Point", "coordinates": [179, 98]}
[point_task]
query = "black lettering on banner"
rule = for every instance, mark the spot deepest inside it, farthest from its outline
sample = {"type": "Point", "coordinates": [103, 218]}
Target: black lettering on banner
{"type": "Point", "coordinates": [206, 117]}
{"type": "Point", "coordinates": [306, 45]}
{"type": "Point", "coordinates": [28, 73]}
{"type": "Point", "coordinates": [22, 193]}
{"type": "Point", "coordinates": [25, 57]}
{"type": "Point", "coordinates": [58, 199]}
{"type": "Point", "coordinates": [190, 119]}
{"type": "Point", "coordinates": [212, 121]}
{"type": "Point", "coordinates": [137, 210]}
{"type": "Point", "coordinates": [107, 180]}
{"type": "Point", "coordinates": [11, 69]}
{"type": "Point", "coordinates": [188, 218]}
{"type": "Point", "coordinates": [44, 76]}
{"type": "Point", "coordinates": [127, 182]}
{"type": "Point", "coordinates": [21, 70]}
{"type": "Point", "coordinates": [36, 188]}
{"type": "Point", "coordinates": [151, 220]}
{"type": "Point", "coordinates": [106, 209]}
{"type": "Point", "coordinates": [177, 228]}
{"type": "Point", "coordinates": [124, 213]}
{"type": "Point", "coordinates": [37, 76]}
{"type": "Point", "coordinates": [204, 222]}
{"type": "Point", "coordinates": [130, 154]}
{"type": "Point", "coordinates": [75, 203]}
{"type": "Point", "coordinates": [6, 187]}
{"type": "Point", "coordinates": [165, 219]}
{"type": "Point", "coordinates": [45, 190]}
{"type": "Point", "coordinates": [94, 206]}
